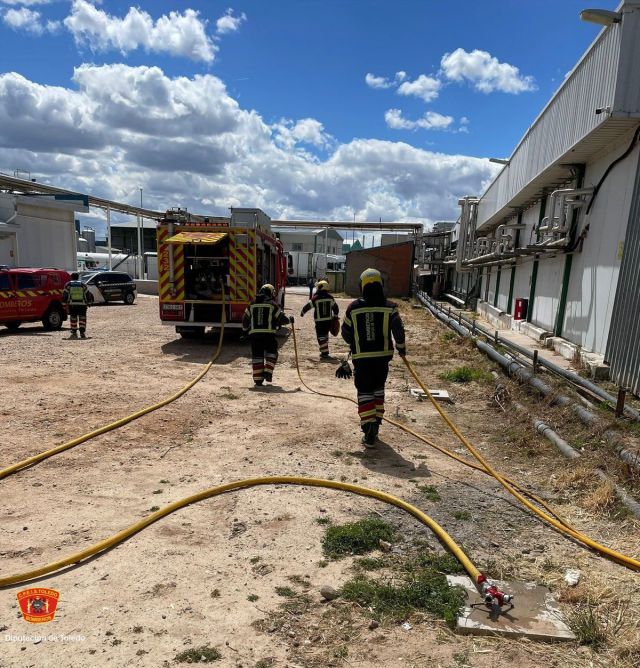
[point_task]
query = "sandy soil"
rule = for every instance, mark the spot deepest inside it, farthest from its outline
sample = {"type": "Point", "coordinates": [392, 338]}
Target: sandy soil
{"type": "Point", "coordinates": [184, 581]}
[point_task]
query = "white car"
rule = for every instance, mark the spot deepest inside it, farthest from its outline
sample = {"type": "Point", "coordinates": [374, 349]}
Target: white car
{"type": "Point", "coordinates": [109, 286]}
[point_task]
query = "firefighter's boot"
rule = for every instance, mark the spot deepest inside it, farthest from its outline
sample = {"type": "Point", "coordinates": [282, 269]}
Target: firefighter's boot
{"type": "Point", "coordinates": [370, 434]}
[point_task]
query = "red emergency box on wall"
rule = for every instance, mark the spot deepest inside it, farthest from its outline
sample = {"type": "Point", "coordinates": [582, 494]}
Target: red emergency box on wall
{"type": "Point", "coordinates": [520, 311]}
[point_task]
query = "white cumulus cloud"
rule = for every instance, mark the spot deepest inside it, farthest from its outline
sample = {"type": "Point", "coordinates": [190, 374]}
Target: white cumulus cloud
{"type": "Point", "coordinates": [24, 19]}
{"type": "Point", "coordinates": [305, 131]}
{"type": "Point", "coordinates": [187, 142]}
{"type": "Point", "coordinates": [430, 120]}
{"type": "Point", "coordinates": [180, 34]}
{"type": "Point", "coordinates": [424, 87]}
{"type": "Point", "coordinates": [26, 3]}
{"type": "Point", "coordinates": [485, 72]}
{"type": "Point", "coordinates": [374, 81]}
{"type": "Point", "coordinates": [229, 23]}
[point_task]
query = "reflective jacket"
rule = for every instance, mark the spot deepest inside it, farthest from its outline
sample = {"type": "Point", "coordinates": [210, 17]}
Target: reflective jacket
{"type": "Point", "coordinates": [369, 329]}
{"type": "Point", "coordinates": [324, 306]}
{"type": "Point", "coordinates": [263, 316]}
{"type": "Point", "coordinates": [75, 293]}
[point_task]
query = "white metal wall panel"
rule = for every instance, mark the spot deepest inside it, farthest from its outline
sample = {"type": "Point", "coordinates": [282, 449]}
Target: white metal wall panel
{"type": "Point", "coordinates": [503, 295]}
{"type": "Point", "coordinates": [545, 305]}
{"type": "Point", "coordinates": [47, 238]}
{"type": "Point", "coordinates": [522, 283]}
{"type": "Point", "coordinates": [594, 275]}
{"type": "Point", "coordinates": [568, 117]}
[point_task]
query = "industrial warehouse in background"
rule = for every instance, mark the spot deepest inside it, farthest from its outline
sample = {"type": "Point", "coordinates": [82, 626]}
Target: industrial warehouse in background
{"type": "Point", "coordinates": [552, 247]}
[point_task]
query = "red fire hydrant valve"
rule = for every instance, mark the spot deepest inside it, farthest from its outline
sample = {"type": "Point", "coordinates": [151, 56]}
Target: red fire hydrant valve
{"type": "Point", "coordinates": [491, 594]}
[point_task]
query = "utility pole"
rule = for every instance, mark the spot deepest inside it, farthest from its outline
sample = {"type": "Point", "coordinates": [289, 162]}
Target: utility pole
{"type": "Point", "coordinates": [109, 236]}
{"type": "Point", "coordinates": [140, 248]}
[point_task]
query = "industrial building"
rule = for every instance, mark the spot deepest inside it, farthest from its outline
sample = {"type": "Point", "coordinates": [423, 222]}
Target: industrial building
{"type": "Point", "coordinates": [321, 240]}
{"type": "Point", "coordinates": [552, 247]}
{"type": "Point", "coordinates": [39, 230]}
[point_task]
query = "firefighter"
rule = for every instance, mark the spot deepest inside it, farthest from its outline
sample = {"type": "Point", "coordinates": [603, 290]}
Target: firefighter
{"type": "Point", "coordinates": [260, 322]}
{"type": "Point", "coordinates": [324, 310]}
{"type": "Point", "coordinates": [368, 326]}
{"type": "Point", "coordinates": [75, 296]}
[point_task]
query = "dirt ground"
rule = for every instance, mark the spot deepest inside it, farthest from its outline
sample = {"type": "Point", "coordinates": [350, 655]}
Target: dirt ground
{"type": "Point", "coordinates": [207, 574]}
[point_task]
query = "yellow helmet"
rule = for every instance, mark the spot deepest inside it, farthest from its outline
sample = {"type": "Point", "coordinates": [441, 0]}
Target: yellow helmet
{"type": "Point", "coordinates": [322, 285]}
{"type": "Point", "coordinates": [268, 289]}
{"type": "Point", "coordinates": [370, 276]}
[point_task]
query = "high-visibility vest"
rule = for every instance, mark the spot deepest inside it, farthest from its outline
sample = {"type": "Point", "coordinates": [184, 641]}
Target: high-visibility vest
{"type": "Point", "coordinates": [323, 309]}
{"type": "Point", "coordinates": [262, 318]}
{"type": "Point", "coordinates": [371, 331]}
{"type": "Point", "coordinates": [77, 292]}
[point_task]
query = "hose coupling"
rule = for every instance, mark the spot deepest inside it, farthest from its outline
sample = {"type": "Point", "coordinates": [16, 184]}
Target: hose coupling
{"type": "Point", "coordinates": [491, 594]}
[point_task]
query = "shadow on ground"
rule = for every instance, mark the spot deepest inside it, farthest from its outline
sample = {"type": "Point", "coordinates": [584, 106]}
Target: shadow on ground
{"type": "Point", "coordinates": [384, 459]}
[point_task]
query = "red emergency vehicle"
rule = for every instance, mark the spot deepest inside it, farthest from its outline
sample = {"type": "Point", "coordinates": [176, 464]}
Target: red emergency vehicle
{"type": "Point", "coordinates": [32, 295]}
{"type": "Point", "coordinates": [197, 253]}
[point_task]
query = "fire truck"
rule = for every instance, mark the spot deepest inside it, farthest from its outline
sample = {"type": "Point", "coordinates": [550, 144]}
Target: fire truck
{"type": "Point", "coordinates": [198, 255]}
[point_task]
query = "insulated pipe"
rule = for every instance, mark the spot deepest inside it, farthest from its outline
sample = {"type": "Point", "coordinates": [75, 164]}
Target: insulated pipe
{"type": "Point", "coordinates": [524, 375]}
{"type": "Point", "coordinates": [554, 368]}
{"type": "Point", "coordinates": [569, 452]}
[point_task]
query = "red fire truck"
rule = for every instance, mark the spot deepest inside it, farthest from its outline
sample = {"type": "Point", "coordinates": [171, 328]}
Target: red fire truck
{"type": "Point", "coordinates": [31, 295]}
{"type": "Point", "coordinates": [197, 253]}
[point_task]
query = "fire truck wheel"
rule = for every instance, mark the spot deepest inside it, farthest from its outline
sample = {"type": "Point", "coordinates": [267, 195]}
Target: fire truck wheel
{"type": "Point", "coordinates": [53, 318]}
{"type": "Point", "coordinates": [13, 325]}
{"type": "Point", "coordinates": [129, 298]}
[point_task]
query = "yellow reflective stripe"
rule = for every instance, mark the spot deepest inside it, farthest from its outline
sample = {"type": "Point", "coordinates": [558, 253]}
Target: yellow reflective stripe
{"type": "Point", "coordinates": [377, 353]}
{"type": "Point", "coordinates": [373, 309]}
{"type": "Point", "coordinates": [262, 331]}
{"type": "Point", "coordinates": [356, 339]}
{"type": "Point", "coordinates": [367, 413]}
{"type": "Point", "coordinates": [385, 330]}
{"type": "Point", "coordinates": [347, 321]}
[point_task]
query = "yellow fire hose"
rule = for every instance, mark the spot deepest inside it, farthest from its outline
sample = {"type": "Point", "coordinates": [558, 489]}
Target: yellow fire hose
{"type": "Point", "coordinates": [563, 528]}
{"type": "Point", "coordinates": [35, 459]}
{"type": "Point", "coordinates": [110, 542]}
{"type": "Point", "coordinates": [426, 440]}
{"type": "Point", "coordinates": [552, 518]}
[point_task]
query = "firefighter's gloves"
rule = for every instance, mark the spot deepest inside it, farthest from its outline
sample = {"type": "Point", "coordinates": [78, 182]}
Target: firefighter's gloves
{"type": "Point", "coordinates": [344, 371]}
{"type": "Point", "coordinates": [244, 337]}
{"type": "Point", "coordinates": [291, 319]}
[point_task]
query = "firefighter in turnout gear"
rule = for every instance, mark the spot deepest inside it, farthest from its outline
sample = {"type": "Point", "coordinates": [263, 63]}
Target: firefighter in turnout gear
{"type": "Point", "coordinates": [74, 296]}
{"type": "Point", "coordinates": [260, 322]}
{"type": "Point", "coordinates": [324, 310]}
{"type": "Point", "coordinates": [369, 324]}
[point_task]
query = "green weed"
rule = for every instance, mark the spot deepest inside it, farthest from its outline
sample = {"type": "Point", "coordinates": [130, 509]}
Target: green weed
{"type": "Point", "coordinates": [430, 492]}
{"type": "Point", "coordinates": [466, 374]}
{"type": "Point", "coordinates": [204, 654]}
{"type": "Point", "coordinates": [356, 538]}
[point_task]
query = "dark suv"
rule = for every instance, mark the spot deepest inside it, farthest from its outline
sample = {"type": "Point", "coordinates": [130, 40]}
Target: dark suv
{"type": "Point", "coordinates": [110, 286]}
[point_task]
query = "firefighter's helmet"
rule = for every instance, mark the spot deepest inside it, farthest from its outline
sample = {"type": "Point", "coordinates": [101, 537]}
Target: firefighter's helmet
{"type": "Point", "coordinates": [322, 285]}
{"type": "Point", "coordinates": [268, 289]}
{"type": "Point", "coordinates": [369, 276]}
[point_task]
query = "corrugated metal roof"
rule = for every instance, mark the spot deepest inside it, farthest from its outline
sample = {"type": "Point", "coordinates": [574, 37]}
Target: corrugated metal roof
{"type": "Point", "coordinates": [568, 129]}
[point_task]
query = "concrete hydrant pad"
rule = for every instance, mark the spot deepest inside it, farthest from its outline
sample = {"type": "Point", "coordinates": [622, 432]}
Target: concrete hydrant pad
{"type": "Point", "coordinates": [535, 613]}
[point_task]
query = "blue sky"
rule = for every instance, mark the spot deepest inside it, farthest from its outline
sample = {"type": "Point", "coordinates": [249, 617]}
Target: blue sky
{"type": "Point", "coordinates": [255, 103]}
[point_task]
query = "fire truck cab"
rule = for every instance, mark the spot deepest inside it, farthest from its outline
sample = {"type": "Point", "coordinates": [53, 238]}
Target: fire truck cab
{"type": "Point", "coordinates": [201, 259]}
